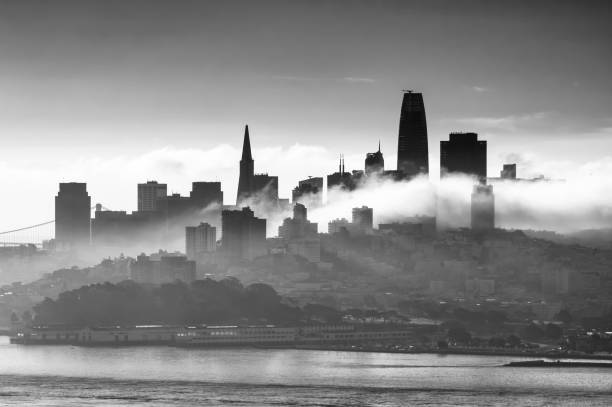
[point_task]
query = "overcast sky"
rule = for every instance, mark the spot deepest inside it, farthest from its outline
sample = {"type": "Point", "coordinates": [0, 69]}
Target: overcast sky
{"type": "Point", "coordinates": [118, 92]}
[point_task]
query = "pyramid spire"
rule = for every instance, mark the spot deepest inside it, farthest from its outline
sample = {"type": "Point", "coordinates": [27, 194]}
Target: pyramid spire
{"type": "Point", "coordinates": [246, 145]}
{"type": "Point", "coordinates": [379, 145]}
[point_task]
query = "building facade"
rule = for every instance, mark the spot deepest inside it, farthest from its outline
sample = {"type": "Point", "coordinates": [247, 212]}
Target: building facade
{"type": "Point", "coordinates": [200, 240]}
{"type": "Point", "coordinates": [412, 145]}
{"type": "Point", "coordinates": [72, 216]}
{"type": "Point", "coordinates": [243, 235]}
{"type": "Point", "coordinates": [149, 195]}
{"type": "Point", "coordinates": [463, 153]}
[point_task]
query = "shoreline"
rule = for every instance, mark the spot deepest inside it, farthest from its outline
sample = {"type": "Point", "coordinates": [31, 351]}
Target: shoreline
{"type": "Point", "coordinates": [474, 352]}
{"type": "Point", "coordinates": [347, 348]}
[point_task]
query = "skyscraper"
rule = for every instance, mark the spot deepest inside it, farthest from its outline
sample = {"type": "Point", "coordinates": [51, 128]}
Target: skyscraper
{"type": "Point", "coordinates": [245, 181]}
{"type": "Point", "coordinates": [464, 153]}
{"type": "Point", "coordinates": [375, 162]}
{"type": "Point", "coordinates": [243, 235]}
{"type": "Point", "coordinates": [412, 149]}
{"type": "Point", "coordinates": [72, 215]}
{"type": "Point", "coordinates": [149, 194]}
{"type": "Point", "coordinates": [199, 240]}
{"type": "Point", "coordinates": [204, 194]}
{"type": "Point", "coordinates": [309, 192]}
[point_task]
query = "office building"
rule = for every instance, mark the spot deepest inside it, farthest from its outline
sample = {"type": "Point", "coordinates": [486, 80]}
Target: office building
{"type": "Point", "coordinates": [374, 162]}
{"type": "Point", "coordinates": [363, 219]}
{"type": "Point", "coordinates": [247, 169]}
{"type": "Point", "coordinates": [412, 147]}
{"type": "Point", "coordinates": [72, 216]}
{"type": "Point", "coordinates": [260, 188]}
{"type": "Point", "coordinates": [508, 172]}
{"type": "Point", "coordinates": [200, 240]}
{"type": "Point", "coordinates": [243, 235]}
{"type": "Point", "coordinates": [463, 153]}
{"type": "Point", "coordinates": [483, 208]}
{"type": "Point", "coordinates": [205, 194]}
{"type": "Point", "coordinates": [299, 226]}
{"type": "Point", "coordinates": [149, 195]}
{"type": "Point", "coordinates": [343, 180]}
{"type": "Point", "coordinates": [309, 192]}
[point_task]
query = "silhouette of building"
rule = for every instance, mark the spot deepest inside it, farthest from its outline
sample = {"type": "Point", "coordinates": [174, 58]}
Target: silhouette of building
{"type": "Point", "coordinates": [72, 215]}
{"type": "Point", "coordinates": [412, 148]}
{"type": "Point", "coordinates": [464, 153]}
{"type": "Point", "coordinates": [299, 226]}
{"type": "Point", "coordinates": [149, 194]}
{"type": "Point", "coordinates": [200, 240]}
{"type": "Point", "coordinates": [508, 172]}
{"type": "Point", "coordinates": [483, 207]}
{"type": "Point", "coordinates": [338, 226]}
{"type": "Point", "coordinates": [363, 219]}
{"type": "Point", "coordinates": [204, 194]}
{"type": "Point", "coordinates": [120, 229]}
{"type": "Point", "coordinates": [262, 188]}
{"type": "Point", "coordinates": [243, 235]}
{"type": "Point", "coordinates": [265, 188]}
{"type": "Point", "coordinates": [167, 269]}
{"type": "Point", "coordinates": [247, 169]}
{"type": "Point", "coordinates": [309, 192]}
{"type": "Point", "coordinates": [343, 180]}
{"type": "Point", "coordinates": [300, 235]}
{"type": "Point", "coordinates": [375, 162]}
{"type": "Point", "coordinates": [416, 225]}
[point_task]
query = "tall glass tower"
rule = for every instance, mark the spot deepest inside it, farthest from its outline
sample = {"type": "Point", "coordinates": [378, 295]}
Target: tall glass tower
{"type": "Point", "coordinates": [412, 150]}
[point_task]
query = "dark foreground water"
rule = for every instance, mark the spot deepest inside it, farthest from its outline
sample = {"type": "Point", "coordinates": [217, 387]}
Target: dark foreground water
{"type": "Point", "coordinates": [160, 376]}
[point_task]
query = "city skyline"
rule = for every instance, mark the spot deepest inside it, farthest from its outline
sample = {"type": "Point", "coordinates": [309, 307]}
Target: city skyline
{"type": "Point", "coordinates": [142, 94]}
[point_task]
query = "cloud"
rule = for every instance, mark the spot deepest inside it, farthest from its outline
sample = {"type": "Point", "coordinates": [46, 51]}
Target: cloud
{"type": "Point", "coordinates": [479, 89]}
{"type": "Point", "coordinates": [348, 79]}
{"type": "Point", "coordinates": [582, 200]}
{"type": "Point", "coordinates": [353, 79]}
{"type": "Point", "coordinates": [503, 123]}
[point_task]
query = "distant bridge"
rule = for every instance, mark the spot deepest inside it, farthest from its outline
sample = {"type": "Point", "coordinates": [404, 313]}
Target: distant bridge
{"type": "Point", "coordinates": [30, 235]}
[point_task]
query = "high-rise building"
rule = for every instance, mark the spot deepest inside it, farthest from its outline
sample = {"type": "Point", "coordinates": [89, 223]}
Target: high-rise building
{"type": "Point", "coordinates": [299, 226]}
{"type": "Point", "coordinates": [203, 194]}
{"type": "Point", "coordinates": [149, 195]}
{"type": "Point", "coordinates": [412, 148]}
{"type": "Point", "coordinates": [508, 172]}
{"type": "Point", "coordinates": [243, 235]}
{"type": "Point", "coordinates": [262, 188]}
{"type": "Point", "coordinates": [375, 162]}
{"type": "Point", "coordinates": [464, 153]}
{"type": "Point", "coordinates": [199, 240]}
{"type": "Point", "coordinates": [72, 215]}
{"type": "Point", "coordinates": [247, 168]}
{"type": "Point", "coordinates": [344, 180]}
{"type": "Point", "coordinates": [363, 218]}
{"type": "Point", "coordinates": [483, 207]}
{"type": "Point", "coordinates": [265, 188]}
{"type": "Point", "coordinates": [309, 192]}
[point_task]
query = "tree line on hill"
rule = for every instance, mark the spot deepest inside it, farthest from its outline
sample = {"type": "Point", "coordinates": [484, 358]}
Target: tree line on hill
{"type": "Point", "coordinates": [201, 302]}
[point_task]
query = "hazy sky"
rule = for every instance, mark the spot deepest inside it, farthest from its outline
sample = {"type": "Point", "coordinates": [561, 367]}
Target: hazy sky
{"type": "Point", "coordinates": [118, 92]}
